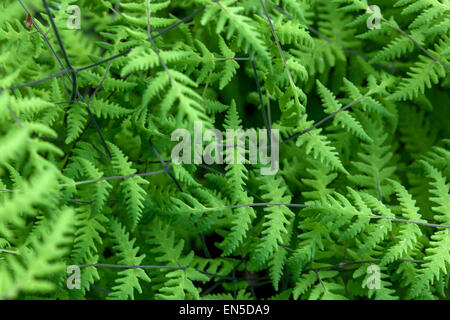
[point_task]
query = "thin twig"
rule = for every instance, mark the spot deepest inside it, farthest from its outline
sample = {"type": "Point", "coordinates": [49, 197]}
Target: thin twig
{"type": "Point", "coordinates": [63, 50]}
{"type": "Point", "coordinates": [326, 118]}
{"type": "Point", "coordinates": [416, 43]}
{"type": "Point", "coordinates": [211, 169]}
{"type": "Point", "coordinates": [14, 116]}
{"type": "Point", "coordinates": [345, 264]}
{"type": "Point", "coordinates": [317, 124]}
{"type": "Point", "coordinates": [120, 266]}
{"type": "Point", "coordinates": [31, 83]}
{"type": "Point", "coordinates": [97, 128]}
{"type": "Point", "coordinates": [65, 71]}
{"type": "Point", "coordinates": [120, 54]}
{"type": "Point", "coordinates": [100, 289]}
{"type": "Point", "coordinates": [320, 34]}
{"type": "Point", "coordinates": [280, 50]}
{"type": "Point", "coordinates": [113, 178]}
{"type": "Point", "coordinates": [261, 101]}
{"type": "Point", "coordinates": [189, 17]}
{"type": "Point", "coordinates": [235, 59]}
{"type": "Point", "coordinates": [100, 84]}
{"type": "Point", "coordinates": [411, 221]}
{"type": "Point", "coordinates": [75, 91]}
{"type": "Point", "coordinates": [166, 168]}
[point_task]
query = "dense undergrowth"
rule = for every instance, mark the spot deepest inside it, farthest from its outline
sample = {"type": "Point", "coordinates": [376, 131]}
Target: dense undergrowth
{"type": "Point", "coordinates": [86, 178]}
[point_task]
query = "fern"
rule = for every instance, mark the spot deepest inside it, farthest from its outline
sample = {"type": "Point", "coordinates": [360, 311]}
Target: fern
{"type": "Point", "coordinates": [133, 192]}
{"type": "Point", "coordinates": [275, 224]}
{"type": "Point", "coordinates": [87, 177]}
{"type": "Point", "coordinates": [179, 282]}
{"type": "Point", "coordinates": [438, 259]}
{"type": "Point", "coordinates": [36, 261]}
{"type": "Point", "coordinates": [129, 279]}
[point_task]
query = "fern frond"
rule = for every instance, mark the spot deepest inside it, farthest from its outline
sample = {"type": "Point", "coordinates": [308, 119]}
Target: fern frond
{"type": "Point", "coordinates": [276, 222]}
{"type": "Point", "coordinates": [178, 283]}
{"type": "Point", "coordinates": [48, 246]}
{"type": "Point", "coordinates": [129, 279]}
{"type": "Point", "coordinates": [344, 118]}
{"type": "Point", "coordinates": [133, 192]}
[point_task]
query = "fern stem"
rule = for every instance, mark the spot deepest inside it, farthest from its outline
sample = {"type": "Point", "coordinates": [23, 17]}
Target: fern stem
{"type": "Point", "coordinates": [161, 61]}
{"type": "Point", "coordinates": [320, 280]}
{"type": "Point", "coordinates": [150, 39]}
{"type": "Point", "coordinates": [101, 152]}
{"type": "Point", "coordinates": [154, 37]}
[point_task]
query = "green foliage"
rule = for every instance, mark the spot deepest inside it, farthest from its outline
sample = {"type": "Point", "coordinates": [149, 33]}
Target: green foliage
{"type": "Point", "coordinates": [363, 175]}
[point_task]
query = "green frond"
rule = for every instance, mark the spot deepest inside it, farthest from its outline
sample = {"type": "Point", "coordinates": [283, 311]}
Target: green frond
{"type": "Point", "coordinates": [229, 16]}
{"type": "Point", "coordinates": [133, 192]}
{"type": "Point", "coordinates": [319, 147]}
{"type": "Point", "coordinates": [129, 280]}
{"type": "Point", "coordinates": [178, 283]}
{"type": "Point", "coordinates": [374, 166]}
{"type": "Point", "coordinates": [76, 120]}
{"type": "Point", "coordinates": [87, 177]}
{"type": "Point", "coordinates": [409, 233]}
{"type": "Point", "coordinates": [276, 221]}
{"type": "Point", "coordinates": [26, 272]}
{"type": "Point", "coordinates": [344, 118]}
{"type": "Point", "coordinates": [424, 73]}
